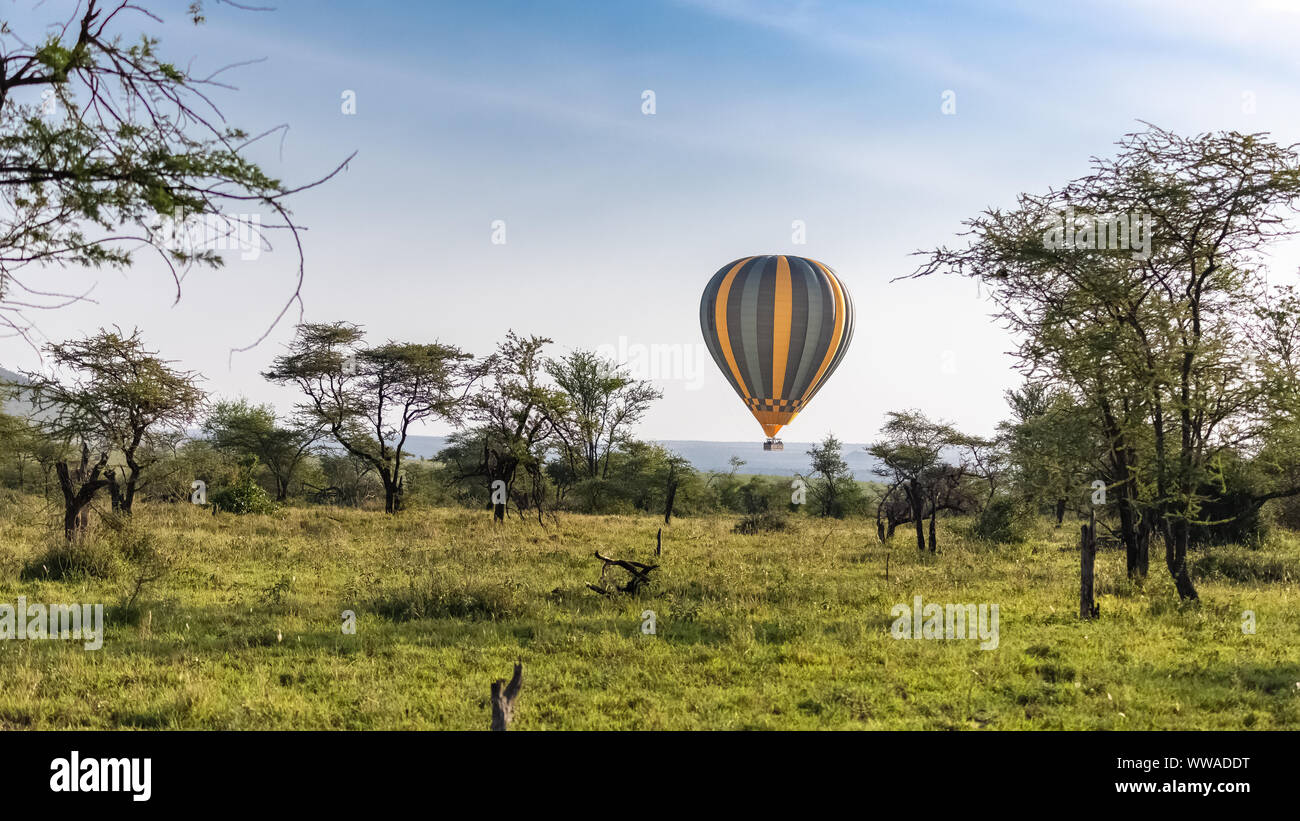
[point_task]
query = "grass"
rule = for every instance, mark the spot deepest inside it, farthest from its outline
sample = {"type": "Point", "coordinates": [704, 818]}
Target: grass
{"type": "Point", "coordinates": [782, 630]}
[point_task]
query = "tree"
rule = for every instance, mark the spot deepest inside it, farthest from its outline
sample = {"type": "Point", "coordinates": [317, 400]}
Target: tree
{"type": "Point", "coordinates": [344, 479]}
{"type": "Point", "coordinates": [833, 487]}
{"type": "Point", "coordinates": [1050, 447]}
{"type": "Point", "coordinates": [117, 397]}
{"type": "Point", "coordinates": [20, 443]}
{"type": "Point", "coordinates": [1153, 333]}
{"type": "Point", "coordinates": [911, 455]}
{"type": "Point", "coordinates": [649, 477]}
{"type": "Point", "coordinates": [368, 398]}
{"type": "Point", "coordinates": [254, 431]}
{"type": "Point", "coordinates": [517, 416]}
{"type": "Point", "coordinates": [102, 140]}
{"type": "Point", "coordinates": [604, 403]}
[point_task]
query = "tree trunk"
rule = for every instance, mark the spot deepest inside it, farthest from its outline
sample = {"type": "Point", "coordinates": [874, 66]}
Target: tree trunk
{"type": "Point", "coordinates": [1128, 535]}
{"type": "Point", "coordinates": [390, 494]}
{"type": "Point", "coordinates": [1144, 544]}
{"type": "Point", "coordinates": [114, 491]}
{"type": "Point", "coordinates": [1176, 558]}
{"type": "Point", "coordinates": [79, 490]}
{"type": "Point", "coordinates": [934, 513]}
{"type": "Point", "coordinates": [1060, 511]}
{"type": "Point", "coordinates": [668, 506]}
{"type": "Point", "coordinates": [918, 515]}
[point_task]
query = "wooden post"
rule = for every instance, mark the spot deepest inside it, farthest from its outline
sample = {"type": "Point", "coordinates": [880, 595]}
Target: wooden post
{"type": "Point", "coordinates": [1087, 561]}
{"type": "Point", "coordinates": [503, 699]}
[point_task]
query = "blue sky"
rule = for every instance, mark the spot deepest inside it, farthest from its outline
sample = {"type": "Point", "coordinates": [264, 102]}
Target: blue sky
{"type": "Point", "coordinates": [766, 113]}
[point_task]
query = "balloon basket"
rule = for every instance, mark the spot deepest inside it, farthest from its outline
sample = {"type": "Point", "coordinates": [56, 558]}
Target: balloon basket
{"type": "Point", "coordinates": [773, 444]}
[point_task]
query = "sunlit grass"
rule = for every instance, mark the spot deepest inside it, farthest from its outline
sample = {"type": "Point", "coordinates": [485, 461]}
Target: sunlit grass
{"type": "Point", "coordinates": [783, 630]}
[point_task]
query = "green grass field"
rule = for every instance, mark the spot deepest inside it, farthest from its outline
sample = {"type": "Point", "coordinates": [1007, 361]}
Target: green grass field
{"type": "Point", "coordinates": [775, 631]}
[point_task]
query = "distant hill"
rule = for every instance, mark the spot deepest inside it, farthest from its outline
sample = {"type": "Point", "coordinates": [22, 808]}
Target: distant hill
{"type": "Point", "coordinates": [12, 406]}
{"type": "Point", "coordinates": [715, 456]}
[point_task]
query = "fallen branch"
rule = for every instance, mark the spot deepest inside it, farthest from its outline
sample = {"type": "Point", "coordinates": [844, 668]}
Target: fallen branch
{"type": "Point", "coordinates": [640, 575]}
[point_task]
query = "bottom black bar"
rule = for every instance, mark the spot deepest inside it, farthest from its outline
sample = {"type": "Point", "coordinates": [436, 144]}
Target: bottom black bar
{"type": "Point", "coordinates": [297, 771]}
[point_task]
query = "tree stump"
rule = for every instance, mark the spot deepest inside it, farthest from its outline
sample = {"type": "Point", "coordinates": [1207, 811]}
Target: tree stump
{"type": "Point", "coordinates": [503, 699]}
{"type": "Point", "coordinates": [1088, 608]}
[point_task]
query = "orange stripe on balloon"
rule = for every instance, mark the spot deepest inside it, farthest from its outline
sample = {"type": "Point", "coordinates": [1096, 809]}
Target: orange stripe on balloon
{"type": "Point", "coordinates": [782, 317]}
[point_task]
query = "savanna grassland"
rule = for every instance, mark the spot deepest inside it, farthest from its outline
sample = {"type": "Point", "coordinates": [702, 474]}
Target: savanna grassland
{"type": "Point", "coordinates": [772, 631]}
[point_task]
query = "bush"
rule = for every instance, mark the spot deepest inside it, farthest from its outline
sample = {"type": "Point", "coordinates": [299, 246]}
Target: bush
{"type": "Point", "coordinates": [1235, 514]}
{"type": "Point", "coordinates": [244, 496]}
{"type": "Point", "coordinates": [83, 558]}
{"type": "Point", "coordinates": [766, 521]}
{"type": "Point", "coordinates": [442, 599]}
{"type": "Point", "coordinates": [1005, 520]}
{"type": "Point", "coordinates": [1246, 566]}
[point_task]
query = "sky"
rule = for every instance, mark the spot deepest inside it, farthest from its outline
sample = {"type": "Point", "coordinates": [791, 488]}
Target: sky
{"type": "Point", "coordinates": [474, 117]}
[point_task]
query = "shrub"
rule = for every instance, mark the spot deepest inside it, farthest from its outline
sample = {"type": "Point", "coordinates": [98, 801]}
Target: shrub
{"type": "Point", "coordinates": [83, 558]}
{"type": "Point", "coordinates": [766, 521]}
{"type": "Point", "coordinates": [1005, 520]}
{"type": "Point", "coordinates": [244, 496]}
{"type": "Point", "coordinates": [442, 599]}
{"type": "Point", "coordinates": [1235, 515]}
{"type": "Point", "coordinates": [1246, 566]}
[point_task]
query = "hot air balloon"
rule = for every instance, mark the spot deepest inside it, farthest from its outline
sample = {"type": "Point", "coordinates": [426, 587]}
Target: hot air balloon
{"type": "Point", "coordinates": [777, 326]}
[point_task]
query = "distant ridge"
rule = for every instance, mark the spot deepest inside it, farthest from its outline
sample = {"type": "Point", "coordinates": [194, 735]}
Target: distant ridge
{"type": "Point", "coordinates": [715, 456]}
{"type": "Point", "coordinates": [13, 407]}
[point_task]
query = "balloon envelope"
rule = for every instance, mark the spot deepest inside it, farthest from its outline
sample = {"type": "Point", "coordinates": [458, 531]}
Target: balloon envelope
{"type": "Point", "coordinates": [777, 327]}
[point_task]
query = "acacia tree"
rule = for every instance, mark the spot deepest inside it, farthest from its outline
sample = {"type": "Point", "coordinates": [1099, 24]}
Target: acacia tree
{"type": "Point", "coordinates": [1154, 337]}
{"type": "Point", "coordinates": [102, 139]}
{"type": "Point", "coordinates": [516, 417]}
{"type": "Point", "coordinates": [254, 431]}
{"type": "Point", "coordinates": [368, 398]}
{"type": "Point", "coordinates": [911, 459]}
{"type": "Point", "coordinates": [112, 396]}
{"type": "Point", "coordinates": [604, 403]}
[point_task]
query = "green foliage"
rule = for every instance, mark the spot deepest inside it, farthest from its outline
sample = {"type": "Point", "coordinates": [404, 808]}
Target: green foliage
{"type": "Point", "coordinates": [80, 183]}
{"type": "Point", "coordinates": [1051, 446]}
{"type": "Point", "coordinates": [244, 496]}
{"type": "Point", "coordinates": [173, 476]}
{"type": "Point", "coordinates": [367, 397]}
{"type": "Point", "coordinates": [761, 494]}
{"type": "Point", "coordinates": [832, 490]}
{"type": "Point", "coordinates": [254, 431]}
{"type": "Point", "coordinates": [1005, 520]}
